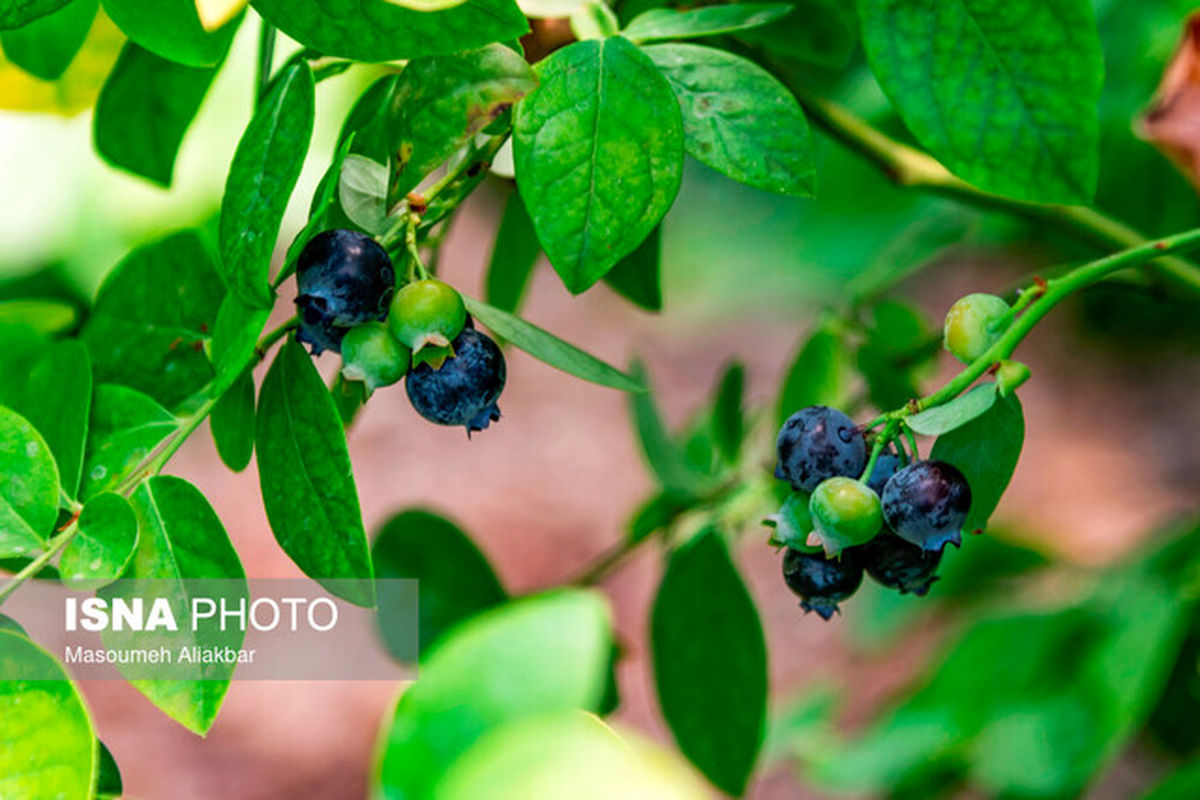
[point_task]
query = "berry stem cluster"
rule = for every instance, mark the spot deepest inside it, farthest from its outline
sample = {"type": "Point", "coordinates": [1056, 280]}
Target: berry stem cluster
{"type": "Point", "coordinates": [1044, 296]}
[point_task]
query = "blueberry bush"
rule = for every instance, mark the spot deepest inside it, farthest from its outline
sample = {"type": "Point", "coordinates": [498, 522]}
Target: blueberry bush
{"type": "Point", "coordinates": [873, 479]}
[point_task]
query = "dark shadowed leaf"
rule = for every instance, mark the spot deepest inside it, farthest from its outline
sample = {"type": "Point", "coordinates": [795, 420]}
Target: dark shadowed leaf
{"type": "Point", "coordinates": [986, 450]}
{"type": "Point", "coordinates": [514, 255]}
{"type": "Point", "coordinates": [818, 376]}
{"type": "Point", "coordinates": [232, 423]}
{"type": "Point", "coordinates": [17, 13]}
{"type": "Point", "coordinates": [45, 47]}
{"type": "Point", "coordinates": [710, 662]}
{"type": "Point", "coordinates": [144, 110]}
{"type": "Point", "coordinates": [57, 401]}
{"type": "Point", "coordinates": [307, 482]}
{"type": "Point", "coordinates": [638, 277]}
{"type": "Point", "coordinates": [455, 578]}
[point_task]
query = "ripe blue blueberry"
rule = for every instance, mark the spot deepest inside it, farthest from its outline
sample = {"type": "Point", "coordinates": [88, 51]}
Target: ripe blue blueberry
{"type": "Point", "coordinates": [897, 564]}
{"type": "Point", "coordinates": [821, 583]}
{"type": "Point", "coordinates": [926, 503]}
{"type": "Point", "coordinates": [885, 467]}
{"type": "Point", "coordinates": [464, 390]}
{"type": "Point", "coordinates": [345, 279]}
{"type": "Point", "coordinates": [817, 443]}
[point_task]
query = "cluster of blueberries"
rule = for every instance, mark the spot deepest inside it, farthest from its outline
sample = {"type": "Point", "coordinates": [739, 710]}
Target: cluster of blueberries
{"type": "Point", "coordinates": [348, 303]}
{"type": "Point", "coordinates": [893, 525]}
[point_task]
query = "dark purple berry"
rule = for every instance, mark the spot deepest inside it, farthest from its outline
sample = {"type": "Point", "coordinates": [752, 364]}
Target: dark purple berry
{"type": "Point", "coordinates": [885, 467]}
{"type": "Point", "coordinates": [345, 278]}
{"type": "Point", "coordinates": [464, 390]}
{"type": "Point", "coordinates": [898, 564]}
{"type": "Point", "coordinates": [821, 583]}
{"type": "Point", "coordinates": [926, 503]}
{"type": "Point", "coordinates": [817, 443]}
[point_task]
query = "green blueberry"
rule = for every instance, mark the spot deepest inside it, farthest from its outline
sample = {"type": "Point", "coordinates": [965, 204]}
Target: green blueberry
{"type": "Point", "coordinates": [427, 316]}
{"type": "Point", "coordinates": [1010, 376]}
{"type": "Point", "coordinates": [845, 512]}
{"type": "Point", "coordinates": [973, 324]}
{"type": "Point", "coordinates": [371, 354]}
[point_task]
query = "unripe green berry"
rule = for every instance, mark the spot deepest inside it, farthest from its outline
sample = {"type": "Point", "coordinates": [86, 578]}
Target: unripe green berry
{"type": "Point", "coordinates": [426, 316]}
{"type": "Point", "coordinates": [845, 512]}
{"type": "Point", "coordinates": [973, 324]}
{"type": "Point", "coordinates": [372, 355]}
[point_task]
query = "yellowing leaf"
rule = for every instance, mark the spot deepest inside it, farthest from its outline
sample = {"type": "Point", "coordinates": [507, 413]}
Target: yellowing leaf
{"type": "Point", "coordinates": [215, 13]}
{"type": "Point", "coordinates": [78, 87]}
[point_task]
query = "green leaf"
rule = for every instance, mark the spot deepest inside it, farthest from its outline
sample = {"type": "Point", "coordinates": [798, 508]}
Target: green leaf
{"type": "Point", "coordinates": [306, 478]}
{"type": "Point", "coordinates": [598, 153]}
{"type": "Point", "coordinates": [986, 449]}
{"type": "Point", "coordinates": [7, 623]}
{"type": "Point", "coordinates": [442, 102]}
{"type": "Point", "coordinates": [263, 174]}
{"type": "Point", "coordinates": [43, 316]}
{"type": "Point", "coordinates": [108, 777]}
{"type": "Point", "coordinates": [514, 255]}
{"type": "Point", "coordinates": [792, 524]}
{"type": "Point", "coordinates": [349, 397]}
{"type": "Point", "coordinates": [456, 581]}
{"type": "Point", "coordinates": [662, 453]}
{"type": "Point", "coordinates": [1005, 94]}
{"type": "Point", "coordinates": [369, 121]}
{"type": "Point", "coordinates": [376, 30]}
{"type": "Point", "coordinates": [47, 745]}
{"type": "Point", "coordinates": [362, 193]}
{"type": "Point", "coordinates": [18, 13]}
{"type": "Point", "coordinates": [232, 423]}
{"type": "Point", "coordinates": [58, 396]}
{"type": "Point", "coordinates": [28, 487]}
{"type": "Point", "coordinates": [144, 111]}
{"type": "Point", "coordinates": [710, 662]}
{"type": "Point", "coordinates": [21, 346]}
{"type": "Point", "coordinates": [667, 23]}
{"type": "Point", "coordinates": [738, 119]}
{"type": "Point", "coordinates": [124, 429]}
{"type": "Point", "coordinates": [558, 643]}
{"type": "Point", "coordinates": [152, 316]}
{"type": "Point", "coordinates": [818, 376]}
{"type": "Point", "coordinates": [955, 413]}
{"type": "Point", "coordinates": [235, 340]}
{"type": "Point", "coordinates": [1183, 784]}
{"type": "Point", "coordinates": [172, 29]}
{"type": "Point", "coordinates": [637, 277]}
{"type": "Point", "coordinates": [181, 541]}
{"type": "Point", "coordinates": [45, 47]}
{"type": "Point", "coordinates": [728, 419]}
{"type": "Point", "coordinates": [823, 33]}
{"type": "Point", "coordinates": [104, 545]}
{"type": "Point", "coordinates": [547, 347]}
